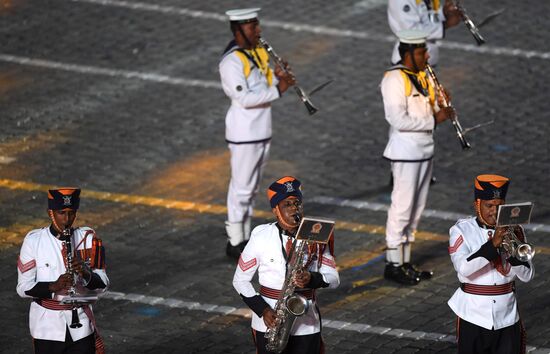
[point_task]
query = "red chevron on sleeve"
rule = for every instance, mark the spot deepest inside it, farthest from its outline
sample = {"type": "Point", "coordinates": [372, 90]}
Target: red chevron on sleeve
{"type": "Point", "coordinates": [246, 265]}
{"type": "Point", "coordinates": [329, 262]}
{"type": "Point", "coordinates": [459, 241]}
{"type": "Point", "coordinates": [25, 267]}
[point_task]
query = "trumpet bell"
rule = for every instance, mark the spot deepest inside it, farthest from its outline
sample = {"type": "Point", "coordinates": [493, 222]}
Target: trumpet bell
{"type": "Point", "coordinates": [525, 252]}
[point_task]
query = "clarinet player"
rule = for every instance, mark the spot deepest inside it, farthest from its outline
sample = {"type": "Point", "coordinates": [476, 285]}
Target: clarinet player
{"type": "Point", "coordinates": [412, 111]}
{"type": "Point", "coordinates": [42, 275]}
{"type": "Point", "coordinates": [252, 85]}
{"type": "Point", "coordinates": [267, 253]}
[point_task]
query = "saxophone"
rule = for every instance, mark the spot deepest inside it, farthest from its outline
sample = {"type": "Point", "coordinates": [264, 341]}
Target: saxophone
{"type": "Point", "coordinates": [289, 305]}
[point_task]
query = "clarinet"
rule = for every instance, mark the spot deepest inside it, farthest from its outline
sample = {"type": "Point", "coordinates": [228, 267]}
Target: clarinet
{"type": "Point", "coordinates": [470, 25]}
{"type": "Point", "coordinates": [67, 235]}
{"type": "Point", "coordinates": [299, 91]}
{"type": "Point", "coordinates": [460, 134]}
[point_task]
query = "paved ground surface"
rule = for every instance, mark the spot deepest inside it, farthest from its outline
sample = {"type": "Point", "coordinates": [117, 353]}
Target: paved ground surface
{"type": "Point", "coordinates": [123, 99]}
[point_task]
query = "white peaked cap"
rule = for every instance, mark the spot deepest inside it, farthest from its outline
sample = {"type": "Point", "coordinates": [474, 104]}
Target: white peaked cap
{"type": "Point", "coordinates": [412, 36]}
{"type": "Point", "coordinates": [243, 14]}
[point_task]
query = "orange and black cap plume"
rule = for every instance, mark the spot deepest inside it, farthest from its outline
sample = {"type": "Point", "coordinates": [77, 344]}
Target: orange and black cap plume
{"type": "Point", "coordinates": [64, 198]}
{"type": "Point", "coordinates": [282, 189]}
{"type": "Point", "coordinates": [489, 187]}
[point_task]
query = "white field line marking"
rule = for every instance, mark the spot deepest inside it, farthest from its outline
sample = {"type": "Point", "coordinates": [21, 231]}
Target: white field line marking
{"type": "Point", "coordinates": [247, 313]}
{"type": "Point", "coordinates": [295, 27]}
{"type": "Point", "coordinates": [430, 213]}
{"type": "Point", "coordinates": [6, 160]}
{"type": "Point", "coordinates": [85, 69]}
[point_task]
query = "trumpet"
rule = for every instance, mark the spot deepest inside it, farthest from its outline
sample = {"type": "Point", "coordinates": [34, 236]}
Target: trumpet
{"type": "Point", "coordinates": [460, 133]}
{"type": "Point", "coordinates": [470, 25]}
{"type": "Point", "coordinates": [299, 91]}
{"type": "Point", "coordinates": [516, 248]}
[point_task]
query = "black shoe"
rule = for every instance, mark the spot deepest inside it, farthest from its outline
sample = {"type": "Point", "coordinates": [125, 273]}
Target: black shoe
{"type": "Point", "coordinates": [233, 251]}
{"type": "Point", "coordinates": [433, 180]}
{"type": "Point", "coordinates": [400, 275]}
{"type": "Point", "coordinates": [422, 274]}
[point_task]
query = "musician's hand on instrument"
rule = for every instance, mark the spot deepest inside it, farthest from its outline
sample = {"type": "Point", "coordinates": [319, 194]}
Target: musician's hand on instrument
{"type": "Point", "coordinates": [80, 267]}
{"type": "Point", "coordinates": [62, 284]}
{"type": "Point", "coordinates": [302, 279]}
{"type": "Point", "coordinates": [499, 236]}
{"type": "Point", "coordinates": [285, 75]}
{"type": "Point", "coordinates": [452, 14]}
{"type": "Point", "coordinates": [285, 82]}
{"type": "Point", "coordinates": [269, 317]}
{"type": "Point", "coordinates": [444, 114]}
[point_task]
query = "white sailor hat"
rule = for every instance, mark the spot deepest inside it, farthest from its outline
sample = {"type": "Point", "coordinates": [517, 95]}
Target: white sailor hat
{"type": "Point", "coordinates": [412, 36]}
{"type": "Point", "coordinates": [243, 15]}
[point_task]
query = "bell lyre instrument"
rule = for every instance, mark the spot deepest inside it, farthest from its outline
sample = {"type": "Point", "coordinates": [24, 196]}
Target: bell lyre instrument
{"type": "Point", "coordinates": [440, 91]}
{"type": "Point", "coordinates": [299, 91]}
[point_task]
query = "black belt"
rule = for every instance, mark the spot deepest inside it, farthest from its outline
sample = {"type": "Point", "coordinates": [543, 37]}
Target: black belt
{"type": "Point", "coordinates": [416, 131]}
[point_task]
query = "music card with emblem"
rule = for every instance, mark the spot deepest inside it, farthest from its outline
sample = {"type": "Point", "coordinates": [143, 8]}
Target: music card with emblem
{"type": "Point", "coordinates": [514, 214]}
{"type": "Point", "coordinates": [315, 230]}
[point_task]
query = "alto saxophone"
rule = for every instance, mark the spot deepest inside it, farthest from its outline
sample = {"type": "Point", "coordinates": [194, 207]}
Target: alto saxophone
{"type": "Point", "coordinates": [289, 305]}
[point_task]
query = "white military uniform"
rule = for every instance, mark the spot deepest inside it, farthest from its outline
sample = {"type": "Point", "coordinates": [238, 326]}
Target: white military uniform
{"type": "Point", "coordinates": [414, 14]}
{"type": "Point", "coordinates": [264, 253]}
{"type": "Point", "coordinates": [410, 149]}
{"type": "Point", "coordinates": [487, 311]}
{"type": "Point", "coordinates": [41, 260]}
{"type": "Point", "coordinates": [248, 133]}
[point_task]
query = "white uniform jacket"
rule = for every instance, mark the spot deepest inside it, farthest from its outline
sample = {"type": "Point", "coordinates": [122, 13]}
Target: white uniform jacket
{"type": "Point", "coordinates": [411, 120]}
{"type": "Point", "coordinates": [264, 254]}
{"type": "Point", "coordinates": [41, 260]}
{"type": "Point", "coordinates": [487, 311]}
{"type": "Point", "coordinates": [414, 14]}
{"type": "Point", "coordinates": [249, 117]}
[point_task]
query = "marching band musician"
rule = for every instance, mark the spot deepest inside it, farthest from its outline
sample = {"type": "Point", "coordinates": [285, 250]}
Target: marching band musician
{"type": "Point", "coordinates": [412, 111]}
{"type": "Point", "coordinates": [488, 320]}
{"type": "Point", "coordinates": [42, 274]}
{"type": "Point", "coordinates": [428, 15]}
{"type": "Point", "coordinates": [251, 85]}
{"type": "Point", "coordinates": [266, 253]}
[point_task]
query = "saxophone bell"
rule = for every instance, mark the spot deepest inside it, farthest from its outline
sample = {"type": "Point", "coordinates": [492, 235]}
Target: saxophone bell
{"type": "Point", "coordinates": [297, 305]}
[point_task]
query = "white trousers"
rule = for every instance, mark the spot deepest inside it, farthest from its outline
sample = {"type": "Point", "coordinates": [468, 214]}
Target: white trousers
{"type": "Point", "coordinates": [411, 181]}
{"type": "Point", "coordinates": [247, 164]}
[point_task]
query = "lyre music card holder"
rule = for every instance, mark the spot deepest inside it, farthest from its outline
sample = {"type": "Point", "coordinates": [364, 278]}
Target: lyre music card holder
{"type": "Point", "coordinates": [514, 214]}
{"type": "Point", "coordinates": [315, 230]}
